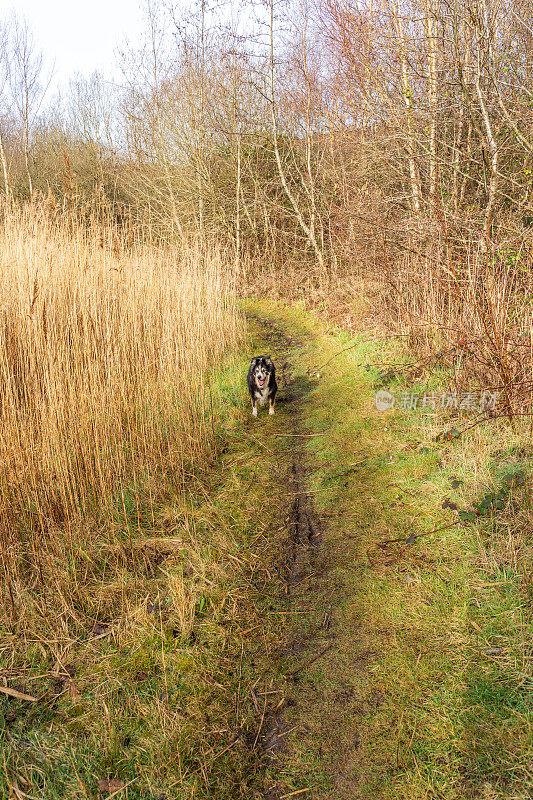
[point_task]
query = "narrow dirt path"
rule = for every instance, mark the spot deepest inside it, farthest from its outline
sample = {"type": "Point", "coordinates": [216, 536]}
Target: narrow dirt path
{"type": "Point", "coordinates": [303, 527]}
{"type": "Point", "coordinates": [320, 715]}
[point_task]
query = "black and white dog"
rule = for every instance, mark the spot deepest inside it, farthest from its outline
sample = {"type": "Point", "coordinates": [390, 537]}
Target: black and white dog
{"type": "Point", "coordinates": [262, 383]}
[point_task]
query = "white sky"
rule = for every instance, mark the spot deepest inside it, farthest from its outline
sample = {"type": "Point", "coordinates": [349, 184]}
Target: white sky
{"type": "Point", "coordinates": [78, 35]}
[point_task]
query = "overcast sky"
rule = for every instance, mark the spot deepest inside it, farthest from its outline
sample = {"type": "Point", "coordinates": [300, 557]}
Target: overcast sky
{"type": "Point", "coordinates": [79, 36]}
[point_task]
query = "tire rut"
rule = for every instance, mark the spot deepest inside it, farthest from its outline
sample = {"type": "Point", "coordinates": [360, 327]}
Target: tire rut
{"type": "Point", "coordinates": [304, 529]}
{"type": "Point", "coordinates": [304, 534]}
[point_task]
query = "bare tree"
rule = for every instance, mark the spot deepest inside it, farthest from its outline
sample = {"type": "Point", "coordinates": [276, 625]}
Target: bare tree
{"type": "Point", "coordinates": [407, 95]}
{"type": "Point", "coordinates": [307, 227]}
{"type": "Point", "coordinates": [4, 108]}
{"type": "Point", "coordinates": [24, 76]}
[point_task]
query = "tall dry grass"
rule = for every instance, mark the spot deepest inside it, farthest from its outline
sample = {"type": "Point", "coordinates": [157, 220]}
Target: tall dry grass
{"type": "Point", "coordinates": [104, 396]}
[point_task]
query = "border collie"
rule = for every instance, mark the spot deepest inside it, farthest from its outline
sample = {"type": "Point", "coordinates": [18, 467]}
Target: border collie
{"type": "Point", "coordinates": [262, 383]}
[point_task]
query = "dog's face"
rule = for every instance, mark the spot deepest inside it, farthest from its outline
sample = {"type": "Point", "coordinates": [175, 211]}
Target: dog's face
{"type": "Point", "coordinates": [261, 367]}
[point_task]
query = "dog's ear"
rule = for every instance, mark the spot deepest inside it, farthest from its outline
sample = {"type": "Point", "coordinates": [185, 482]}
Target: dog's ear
{"type": "Point", "coordinates": [254, 361]}
{"type": "Point", "coordinates": [268, 361]}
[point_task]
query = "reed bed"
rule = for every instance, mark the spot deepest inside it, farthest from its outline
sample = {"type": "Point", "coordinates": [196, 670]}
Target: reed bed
{"type": "Point", "coordinates": [104, 398]}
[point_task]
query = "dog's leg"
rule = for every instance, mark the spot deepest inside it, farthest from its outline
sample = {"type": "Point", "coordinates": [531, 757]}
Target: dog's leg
{"type": "Point", "coordinates": [271, 403]}
{"type": "Point", "coordinates": [254, 408]}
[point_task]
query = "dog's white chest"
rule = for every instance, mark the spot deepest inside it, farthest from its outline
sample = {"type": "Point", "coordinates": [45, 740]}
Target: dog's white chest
{"type": "Point", "coordinates": [262, 395]}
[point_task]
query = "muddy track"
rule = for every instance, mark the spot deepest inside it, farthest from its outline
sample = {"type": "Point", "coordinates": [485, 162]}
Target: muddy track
{"type": "Point", "coordinates": [312, 736]}
{"type": "Point", "coordinates": [304, 529]}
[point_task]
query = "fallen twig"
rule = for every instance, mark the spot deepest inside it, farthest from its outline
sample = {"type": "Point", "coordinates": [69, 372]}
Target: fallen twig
{"type": "Point", "coordinates": [308, 663]}
{"type": "Point", "coordinates": [18, 695]}
{"type": "Point", "coordinates": [260, 728]}
{"type": "Point", "coordinates": [492, 417]}
{"type": "Point", "coordinates": [344, 350]}
{"type": "Point", "coordinates": [386, 542]}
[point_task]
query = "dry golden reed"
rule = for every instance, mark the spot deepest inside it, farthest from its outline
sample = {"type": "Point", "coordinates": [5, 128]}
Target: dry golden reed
{"type": "Point", "coordinates": [104, 359]}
